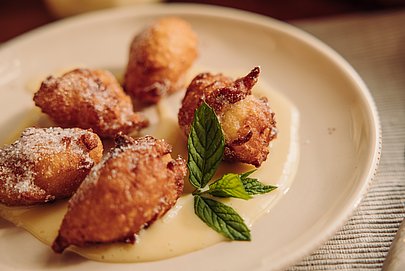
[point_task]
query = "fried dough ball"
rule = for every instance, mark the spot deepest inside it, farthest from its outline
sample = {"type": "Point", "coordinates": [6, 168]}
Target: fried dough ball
{"type": "Point", "coordinates": [158, 59]}
{"type": "Point", "coordinates": [247, 121]}
{"type": "Point", "coordinates": [46, 164]}
{"type": "Point", "coordinates": [89, 99]}
{"type": "Point", "coordinates": [135, 184]}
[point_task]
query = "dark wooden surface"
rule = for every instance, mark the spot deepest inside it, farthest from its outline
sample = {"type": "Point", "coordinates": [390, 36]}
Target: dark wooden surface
{"type": "Point", "coordinates": [19, 16]}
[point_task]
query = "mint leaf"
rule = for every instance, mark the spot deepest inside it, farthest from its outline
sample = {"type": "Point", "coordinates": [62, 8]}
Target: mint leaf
{"type": "Point", "coordinates": [205, 146]}
{"type": "Point", "coordinates": [247, 174]}
{"type": "Point", "coordinates": [230, 185]}
{"type": "Point", "coordinates": [253, 186]}
{"type": "Point", "coordinates": [221, 218]}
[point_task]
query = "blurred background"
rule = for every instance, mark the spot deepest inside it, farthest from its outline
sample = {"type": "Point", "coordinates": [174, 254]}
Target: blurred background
{"type": "Point", "coordinates": [19, 16]}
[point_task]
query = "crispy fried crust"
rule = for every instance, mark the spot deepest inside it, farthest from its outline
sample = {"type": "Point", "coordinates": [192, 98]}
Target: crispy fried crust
{"type": "Point", "coordinates": [158, 59]}
{"type": "Point", "coordinates": [46, 164]}
{"type": "Point", "coordinates": [248, 122]}
{"type": "Point", "coordinates": [89, 99]}
{"type": "Point", "coordinates": [135, 184]}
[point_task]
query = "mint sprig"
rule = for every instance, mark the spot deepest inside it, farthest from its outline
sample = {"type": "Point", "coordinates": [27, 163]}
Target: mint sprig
{"type": "Point", "coordinates": [206, 143]}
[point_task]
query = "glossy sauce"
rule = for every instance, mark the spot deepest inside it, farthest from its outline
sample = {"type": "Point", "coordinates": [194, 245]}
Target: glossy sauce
{"type": "Point", "coordinates": [180, 231]}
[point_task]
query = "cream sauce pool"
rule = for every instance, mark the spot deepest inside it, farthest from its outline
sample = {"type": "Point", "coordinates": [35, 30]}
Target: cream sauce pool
{"type": "Point", "coordinates": [180, 231]}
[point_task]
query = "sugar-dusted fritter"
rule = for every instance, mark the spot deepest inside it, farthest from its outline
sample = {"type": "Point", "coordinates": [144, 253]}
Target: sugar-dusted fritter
{"type": "Point", "coordinates": [247, 121]}
{"type": "Point", "coordinates": [45, 164]}
{"type": "Point", "coordinates": [89, 99]}
{"type": "Point", "coordinates": [135, 184]}
{"type": "Point", "coordinates": [159, 57]}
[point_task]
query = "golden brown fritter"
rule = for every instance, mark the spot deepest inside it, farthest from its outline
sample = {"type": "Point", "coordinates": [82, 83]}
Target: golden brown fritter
{"type": "Point", "coordinates": [135, 184]}
{"type": "Point", "coordinates": [46, 164]}
{"type": "Point", "coordinates": [248, 122]}
{"type": "Point", "coordinates": [158, 59]}
{"type": "Point", "coordinates": [89, 99]}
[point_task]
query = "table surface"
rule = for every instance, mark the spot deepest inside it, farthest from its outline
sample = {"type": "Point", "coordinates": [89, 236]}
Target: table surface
{"type": "Point", "coordinates": [372, 42]}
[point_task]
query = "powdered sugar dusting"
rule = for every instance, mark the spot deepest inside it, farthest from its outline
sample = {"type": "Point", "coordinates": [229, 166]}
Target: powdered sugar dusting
{"type": "Point", "coordinates": [124, 144]}
{"type": "Point", "coordinates": [18, 161]}
{"type": "Point", "coordinates": [89, 99]}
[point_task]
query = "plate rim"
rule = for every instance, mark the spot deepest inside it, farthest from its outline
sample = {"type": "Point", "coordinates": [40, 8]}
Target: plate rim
{"type": "Point", "coordinates": [368, 174]}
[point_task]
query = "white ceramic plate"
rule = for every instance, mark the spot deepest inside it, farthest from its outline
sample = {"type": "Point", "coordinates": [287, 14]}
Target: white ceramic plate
{"type": "Point", "coordinates": [339, 134]}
